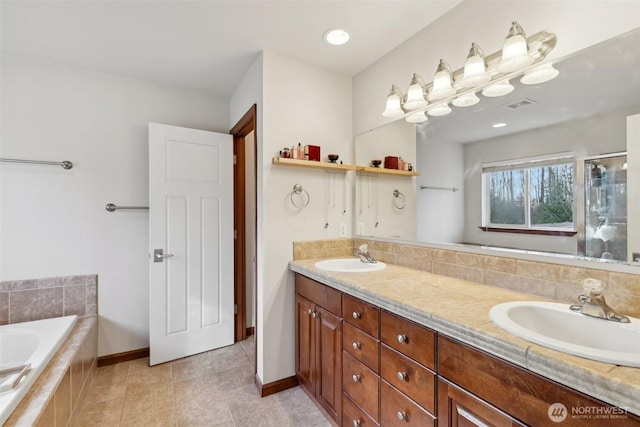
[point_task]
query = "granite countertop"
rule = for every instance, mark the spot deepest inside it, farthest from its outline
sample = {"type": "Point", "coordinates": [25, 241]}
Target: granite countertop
{"type": "Point", "coordinates": [460, 309]}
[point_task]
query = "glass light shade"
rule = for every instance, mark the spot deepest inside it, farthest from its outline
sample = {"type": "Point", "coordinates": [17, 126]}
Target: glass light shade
{"type": "Point", "coordinates": [442, 86]}
{"type": "Point", "coordinates": [498, 89]}
{"type": "Point", "coordinates": [394, 108]}
{"type": "Point", "coordinates": [475, 69]}
{"type": "Point", "coordinates": [415, 95]}
{"type": "Point", "coordinates": [440, 110]}
{"type": "Point", "coordinates": [466, 100]}
{"type": "Point", "coordinates": [515, 52]}
{"type": "Point", "coordinates": [417, 117]}
{"type": "Point", "coordinates": [540, 74]}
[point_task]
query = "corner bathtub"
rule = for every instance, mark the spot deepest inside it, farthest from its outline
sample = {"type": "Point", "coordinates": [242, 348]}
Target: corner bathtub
{"type": "Point", "coordinates": [27, 347]}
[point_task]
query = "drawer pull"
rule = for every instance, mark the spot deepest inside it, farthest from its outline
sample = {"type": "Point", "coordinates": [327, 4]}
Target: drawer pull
{"type": "Point", "coordinates": [310, 311]}
{"type": "Point", "coordinates": [403, 339]}
{"type": "Point", "coordinates": [357, 315]}
{"type": "Point", "coordinates": [470, 417]}
{"type": "Point", "coordinates": [356, 345]}
{"type": "Point", "coordinates": [356, 378]}
{"type": "Point", "coordinates": [402, 376]}
{"type": "Point", "coordinates": [402, 416]}
{"type": "Point", "coordinates": [357, 423]}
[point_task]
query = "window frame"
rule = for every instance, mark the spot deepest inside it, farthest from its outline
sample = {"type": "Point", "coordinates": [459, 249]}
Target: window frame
{"type": "Point", "coordinates": [525, 165]}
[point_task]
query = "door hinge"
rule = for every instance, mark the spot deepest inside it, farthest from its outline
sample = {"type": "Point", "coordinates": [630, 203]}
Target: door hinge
{"type": "Point", "coordinates": [235, 309]}
{"type": "Point", "coordinates": [235, 159]}
{"type": "Point", "coordinates": [235, 234]}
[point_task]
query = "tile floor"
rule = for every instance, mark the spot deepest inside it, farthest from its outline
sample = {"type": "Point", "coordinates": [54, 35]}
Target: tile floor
{"type": "Point", "coordinates": [215, 388]}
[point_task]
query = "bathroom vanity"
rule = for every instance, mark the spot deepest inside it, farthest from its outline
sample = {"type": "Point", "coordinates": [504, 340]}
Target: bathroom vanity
{"type": "Point", "coordinates": [404, 347]}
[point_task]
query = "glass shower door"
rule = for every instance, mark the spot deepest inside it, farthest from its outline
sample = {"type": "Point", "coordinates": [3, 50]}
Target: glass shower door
{"type": "Point", "coordinates": [605, 210]}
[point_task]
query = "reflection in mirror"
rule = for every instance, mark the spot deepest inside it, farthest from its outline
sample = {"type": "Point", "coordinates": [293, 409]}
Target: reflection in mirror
{"type": "Point", "coordinates": [553, 135]}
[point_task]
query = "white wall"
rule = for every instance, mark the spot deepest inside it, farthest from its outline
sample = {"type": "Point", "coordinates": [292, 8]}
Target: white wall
{"type": "Point", "coordinates": [296, 103]}
{"type": "Point", "coordinates": [375, 212]}
{"type": "Point", "coordinates": [54, 222]}
{"type": "Point", "coordinates": [440, 212]}
{"type": "Point", "coordinates": [577, 24]}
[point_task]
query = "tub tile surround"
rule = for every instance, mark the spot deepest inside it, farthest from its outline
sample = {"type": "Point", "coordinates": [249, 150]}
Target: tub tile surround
{"type": "Point", "coordinates": [35, 299]}
{"type": "Point", "coordinates": [58, 395]}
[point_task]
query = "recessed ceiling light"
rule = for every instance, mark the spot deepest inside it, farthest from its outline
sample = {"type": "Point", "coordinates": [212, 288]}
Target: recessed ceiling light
{"type": "Point", "coordinates": [336, 37]}
{"type": "Point", "coordinates": [498, 125]}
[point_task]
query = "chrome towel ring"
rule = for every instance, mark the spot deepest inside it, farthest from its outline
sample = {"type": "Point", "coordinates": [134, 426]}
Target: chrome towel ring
{"type": "Point", "coordinates": [399, 201]}
{"type": "Point", "coordinates": [298, 190]}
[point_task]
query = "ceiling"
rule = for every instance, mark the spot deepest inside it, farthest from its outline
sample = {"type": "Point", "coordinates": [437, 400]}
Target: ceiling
{"type": "Point", "coordinates": [208, 45]}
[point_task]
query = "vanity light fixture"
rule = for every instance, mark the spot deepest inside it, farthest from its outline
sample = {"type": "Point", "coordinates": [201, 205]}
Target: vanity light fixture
{"type": "Point", "coordinates": [442, 82]}
{"type": "Point", "coordinates": [475, 68]}
{"type": "Point", "coordinates": [520, 57]}
{"type": "Point", "coordinates": [515, 51]}
{"type": "Point", "coordinates": [336, 37]}
{"type": "Point", "coordinates": [394, 103]}
{"type": "Point", "coordinates": [418, 117]}
{"type": "Point", "coordinates": [415, 94]}
{"type": "Point", "coordinates": [540, 74]}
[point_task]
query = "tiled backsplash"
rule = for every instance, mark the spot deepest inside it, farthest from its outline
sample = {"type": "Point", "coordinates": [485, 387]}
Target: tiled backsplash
{"type": "Point", "coordinates": [555, 281]}
{"type": "Point", "coordinates": [35, 299]}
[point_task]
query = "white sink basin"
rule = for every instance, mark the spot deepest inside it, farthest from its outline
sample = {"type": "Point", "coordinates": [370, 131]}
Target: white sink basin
{"type": "Point", "coordinates": [349, 265]}
{"type": "Point", "coordinates": [553, 325]}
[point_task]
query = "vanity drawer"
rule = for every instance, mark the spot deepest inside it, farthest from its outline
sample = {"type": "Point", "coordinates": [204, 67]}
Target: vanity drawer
{"type": "Point", "coordinates": [361, 384]}
{"type": "Point", "coordinates": [409, 338]}
{"type": "Point", "coordinates": [361, 314]}
{"type": "Point", "coordinates": [353, 416]}
{"type": "Point", "coordinates": [399, 410]}
{"type": "Point", "coordinates": [414, 380]}
{"type": "Point", "coordinates": [361, 346]}
{"type": "Point", "coordinates": [324, 296]}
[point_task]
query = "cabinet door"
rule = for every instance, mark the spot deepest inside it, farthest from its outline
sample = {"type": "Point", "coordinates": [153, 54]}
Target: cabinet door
{"type": "Point", "coordinates": [305, 343]}
{"type": "Point", "coordinates": [329, 362]}
{"type": "Point", "coordinates": [457, 408]}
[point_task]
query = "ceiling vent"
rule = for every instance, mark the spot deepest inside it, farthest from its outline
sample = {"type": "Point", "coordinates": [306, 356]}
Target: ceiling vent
{"type": "Point", "coordinates": [519, 104]}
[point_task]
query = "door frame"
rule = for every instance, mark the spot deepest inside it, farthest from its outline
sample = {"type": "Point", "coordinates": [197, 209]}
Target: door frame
{"type": "Point", "coordinates": [242, 128]}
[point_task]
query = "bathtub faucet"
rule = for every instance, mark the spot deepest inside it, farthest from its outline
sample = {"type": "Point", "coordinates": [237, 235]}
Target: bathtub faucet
{"type": "Point", "coordinates": [363, 253]}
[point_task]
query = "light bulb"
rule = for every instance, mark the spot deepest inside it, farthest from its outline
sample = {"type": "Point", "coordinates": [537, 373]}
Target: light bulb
{"type": "Point", "coordinates": [475, 68]}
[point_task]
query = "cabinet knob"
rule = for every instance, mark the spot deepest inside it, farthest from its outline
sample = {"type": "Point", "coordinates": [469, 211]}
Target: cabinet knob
{"type": "Point", "coordinates": [310, 311]}
{"type": "Point", "coordinates": [356, 315]}
{"type": "Point", "coordinates": [357, 423]}
{"type": "Point", "coordinates": [402, 416]}
{"type": "Point", "coordinates": [356, 378]}
{"type": "Point", "coordinates": [402, 339]}
{"type": "Point", "coordinates": [356, 345]}
{"type": "Point", "coordinates": [402, 376]}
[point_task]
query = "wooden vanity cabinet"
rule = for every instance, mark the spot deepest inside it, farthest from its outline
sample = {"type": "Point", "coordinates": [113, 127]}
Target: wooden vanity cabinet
{"type": "Point", "coordinates": [476, 386]}
{"type": "Point", "coordinates": [360, 362]}
{"type": "Point", "coordinates": [319, 343]}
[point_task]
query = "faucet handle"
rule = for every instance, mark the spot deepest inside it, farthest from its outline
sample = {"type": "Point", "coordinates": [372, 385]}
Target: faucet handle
{"type": "Point", "coordinates": [593, 287]}
{"type": "Point", "coordinates": [364, 248]}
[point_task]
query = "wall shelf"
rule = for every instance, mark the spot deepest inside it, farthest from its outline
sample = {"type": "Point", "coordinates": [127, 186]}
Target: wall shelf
{"type": "Point", "coordinates": [312, 164]}
{"type": "Point", "coordinates": [340, 167]}
{"type": "Point", "coordinates": [383, 171]}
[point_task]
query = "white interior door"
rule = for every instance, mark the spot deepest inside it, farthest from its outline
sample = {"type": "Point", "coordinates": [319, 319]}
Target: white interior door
{"type": "Point", "coordinates": [190, 242]}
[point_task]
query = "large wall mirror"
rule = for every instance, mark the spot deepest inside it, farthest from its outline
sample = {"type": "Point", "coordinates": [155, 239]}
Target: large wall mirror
{"type": "Point", "coordinates": [554, 179]}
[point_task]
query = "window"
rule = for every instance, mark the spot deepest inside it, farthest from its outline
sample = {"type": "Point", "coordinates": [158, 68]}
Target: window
{"type": "Point", "coordinates": [529, 194]}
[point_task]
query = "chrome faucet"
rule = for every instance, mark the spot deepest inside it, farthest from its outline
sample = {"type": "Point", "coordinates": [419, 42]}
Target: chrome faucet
{"type": "Point", "coordinates": [592, 303]}
{"type": "Point", "coordinates": [363, 253]}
